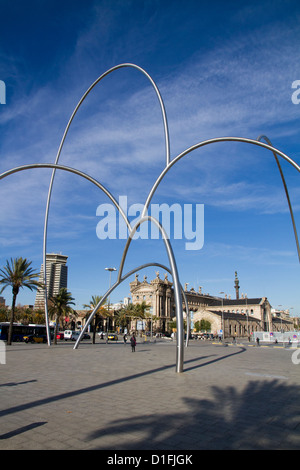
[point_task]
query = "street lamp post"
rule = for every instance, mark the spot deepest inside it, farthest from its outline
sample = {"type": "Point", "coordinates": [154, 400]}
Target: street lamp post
{"type": "Point", "coordinates": [110, 271]}
{"type": "Point", "coordinates": [223, 324]}
{"type": "Point", "coordinates": [247, 317]}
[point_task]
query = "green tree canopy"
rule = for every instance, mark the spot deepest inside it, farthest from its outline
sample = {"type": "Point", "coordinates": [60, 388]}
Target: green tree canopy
{"type": "Point", "coordinates": [202, 325]}
{"type": "Point", "coordinates": [17, 274]}
{"type": "Point", "coordinates": [101, 312]}
{"type": "Point", "coordinates": [59, 307]}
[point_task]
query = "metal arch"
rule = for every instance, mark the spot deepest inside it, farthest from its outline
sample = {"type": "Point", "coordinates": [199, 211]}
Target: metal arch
{"type": "Point", "coordinates": [167, 144]}
{"type": "Point", "coordinates": [77, 172]}
{"type": "Point", "coordinates": [207, 142]}
{"type": "Point", "coordinates": [286, 193]}
{"type": "Point", "coordinates": [116, 67]}
{"type": "Point", "coordinates": [169, 164]}
{"type": "Point", "coordinates": [116, 284]}
{"type": "Point", "coordinates": [177, 295]}
{"type": "Point", "coordinates": [31, 166]}
{"type": "Point", "coordinates": [179, 315]}
{"type": "Point", "coordinates": [188, 318]}
{"type": "Point", "coordinates": [267, 146]}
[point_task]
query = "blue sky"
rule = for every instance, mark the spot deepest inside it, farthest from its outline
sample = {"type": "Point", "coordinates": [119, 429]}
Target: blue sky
{"type": "Point", "coordinates": [222, 68]}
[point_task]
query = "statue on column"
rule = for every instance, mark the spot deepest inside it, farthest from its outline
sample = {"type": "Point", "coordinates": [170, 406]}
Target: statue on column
{"type": "Point", "coordinates": [236, 285]}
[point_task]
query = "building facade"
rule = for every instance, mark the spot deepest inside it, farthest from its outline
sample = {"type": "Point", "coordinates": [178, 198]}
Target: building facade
{"type": "Point", "coordinates": [56, 277]}
{"type": "Point", "coordinates": [241, 316]}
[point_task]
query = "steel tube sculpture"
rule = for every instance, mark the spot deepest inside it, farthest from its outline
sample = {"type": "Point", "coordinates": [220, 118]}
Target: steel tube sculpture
{"type": "Point", "coordinates": [144, 217]}
{"type": "Point", "coordinates": [208, 142]}
{"type": "Point", "coordinates": [83, 175]}
{"type": "Point", "coordinates": [116, 284]}
{"type": "Point", "coordinates": [286, 193]}
{"type": "Point", "coordinates": [177, 294]}
{"type": "Point", "coordinates": [167, 144]}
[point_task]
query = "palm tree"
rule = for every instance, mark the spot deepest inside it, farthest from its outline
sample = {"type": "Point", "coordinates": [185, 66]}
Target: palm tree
{"type": "Point", "coordinates": [132, 312]}
{"type": "Point", "coordinates": [124, 316]}
{"type": "Point", "coordinates": [18, 274]}
{"type": "Point", "coordinates": [60, 307]}
{"type": "Point", "coordinates": [143, 311]}
{"type": "Point", "coordinates": [102, 312]}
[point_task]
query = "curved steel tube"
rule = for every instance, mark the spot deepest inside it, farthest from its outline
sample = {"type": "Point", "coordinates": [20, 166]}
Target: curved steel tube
{"type": "Point", "coordinates": [207, 142]}
{"type": "Point", "coordinates": [179, 318]}
{"type": "Point", "coordinates": [177, 295]}
{"type": "Point", "coordinates": [83, 175]}
{"type": "Point", "coordinates": [144, 218]}
{"type": "Point", "coordinates": [163, 111]}
{"type": "Point", "coordinates": [116, 284]}
{"type": "Point", "coordinates": [286, 193]}
{"type": "Point", "coordinates": [188, 320]}
{"type": "Point", "coordinates": [167, 144]}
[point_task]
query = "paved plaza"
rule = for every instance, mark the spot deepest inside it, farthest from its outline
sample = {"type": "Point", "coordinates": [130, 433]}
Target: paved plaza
{"type": "Point", "coordinates": [106, 397]}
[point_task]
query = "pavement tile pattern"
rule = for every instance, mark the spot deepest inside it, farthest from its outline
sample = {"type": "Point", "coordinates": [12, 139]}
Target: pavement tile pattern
{"type": "Point", "coordinates": [105, 397]}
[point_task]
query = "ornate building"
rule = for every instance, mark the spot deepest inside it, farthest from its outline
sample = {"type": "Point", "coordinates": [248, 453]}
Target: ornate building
{"type": "Point", "coordinates": [237, 317]}
{"type": "Point", "coordinates": [159, 295]}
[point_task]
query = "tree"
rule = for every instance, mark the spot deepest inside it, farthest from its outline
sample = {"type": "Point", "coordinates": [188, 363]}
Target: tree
{"type": "Point", "coordinates": [4, 313]}
{"type": "Point", "coordinates": [124, 316]}
{"type": "Point", "coordinates": [143, 312]}
{"type": "Point", "coordinates": [17, 274]}
{"type": "Point", "coordinates": [133, 312]}
{"type": "Point", "coordinates": [173, 325]}
{"type": "Point", "coordinates": [202, 325]}
{"type": "Point", "coordinates": [142, 309]}
{"type": "Point", "coordinates": [59, 307]}
{"type": "Point", "coordinates": [102, 312]}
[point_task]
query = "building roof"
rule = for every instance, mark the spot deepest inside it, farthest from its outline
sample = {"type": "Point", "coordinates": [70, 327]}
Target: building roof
{"type": "Point", "coordinates": [234, 316]}
{"type": "Point", "coordinates": [243, 301]}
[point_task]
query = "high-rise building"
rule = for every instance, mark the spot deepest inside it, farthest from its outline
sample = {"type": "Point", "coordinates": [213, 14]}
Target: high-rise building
{"type": "Point", "coordinates": [56, 277]}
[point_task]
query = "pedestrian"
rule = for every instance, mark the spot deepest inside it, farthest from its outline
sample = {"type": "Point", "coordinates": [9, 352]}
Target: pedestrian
{"type": "Point", "coordinates": [133, 343]}
{"type": "Point", "coordinates": [257, 341]}
{"type": "Point", "coordinates": [125, 338]}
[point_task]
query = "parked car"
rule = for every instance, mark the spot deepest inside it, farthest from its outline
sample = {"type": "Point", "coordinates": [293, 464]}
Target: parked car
{"type": "Point", "coordinates": [35, 339]}
{"type": "Point", "coordinates": [68, 334]}
{"type": "Point", "coordinates": [112, 337]}
{"type": "Point", "coordinates": [60, 335]}
{"type": "Point", "coordinates": [74, 335]}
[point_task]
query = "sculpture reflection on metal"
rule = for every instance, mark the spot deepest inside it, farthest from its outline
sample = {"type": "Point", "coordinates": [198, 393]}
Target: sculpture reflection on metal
{"type": "Point", "coordinates": [178, 291]}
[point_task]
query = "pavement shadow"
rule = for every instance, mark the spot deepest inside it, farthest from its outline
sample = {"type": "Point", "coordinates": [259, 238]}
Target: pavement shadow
{"type": "Point", "coordinates": [66, 395]}
{"type": "Point", "coordinates": [15, 384]}
{"type": "Point", "coordinates": [257, 418]}
{"type": "Point", "coordinates": [18, 431]}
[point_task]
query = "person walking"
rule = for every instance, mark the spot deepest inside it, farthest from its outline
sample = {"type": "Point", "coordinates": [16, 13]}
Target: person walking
{"type": "Point", "coordinates": [133, 343]}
